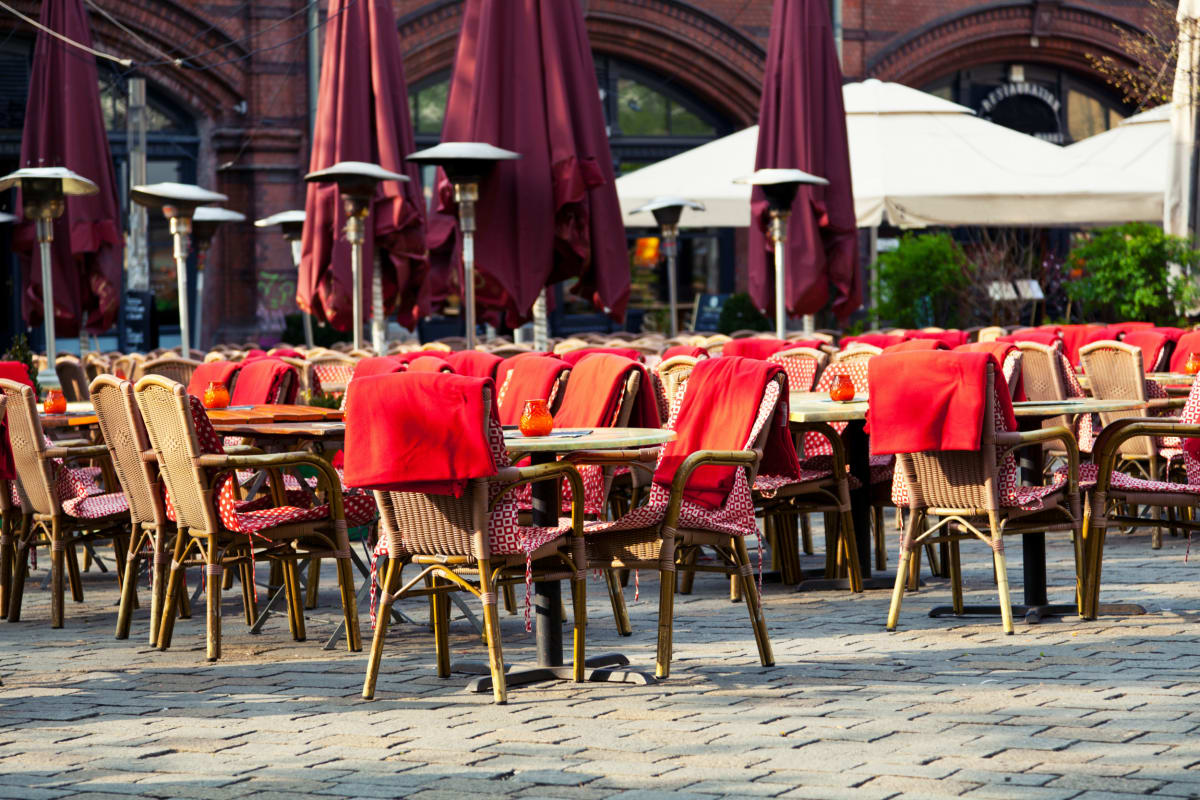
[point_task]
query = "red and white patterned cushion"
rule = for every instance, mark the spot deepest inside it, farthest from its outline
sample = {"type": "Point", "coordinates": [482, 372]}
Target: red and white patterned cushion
{"type": "Point", "coordinates": [333, 373]}
{"type": "Point", "coordinates": [801, 370]}
{"type": "Point", "coordinates": [96, 506]}
{"type": "Point", "coordinates": [814, 443]}
{"type": "Point", "coordinates": [1122, 482]}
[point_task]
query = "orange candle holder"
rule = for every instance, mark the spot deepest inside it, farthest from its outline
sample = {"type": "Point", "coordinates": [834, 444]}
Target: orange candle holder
{"type": "Point", "coordinates": [1192, 366]}
{"type": "Point", "coordinates": [536, 419]}
{"type": "Point", "coordinates": [56, 402]}
{"type": "Point", "coordinates": [843, 390]}
{"type": "Point", "coordinates": [216, 395]}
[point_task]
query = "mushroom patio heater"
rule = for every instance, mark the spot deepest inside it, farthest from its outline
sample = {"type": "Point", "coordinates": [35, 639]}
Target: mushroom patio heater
{"type": "Point", "coordinates": [667, 211]}
{"type": "Point", "coordinates": [780, 187]}
{"type": "Point", "coordinates": [466, 164]}
{"type": "Point", "coordinates": [205, 222]}
{"type": "Point", "coordinates": [178, 202]}
{"type": "Point", "coordinates": [6, 218]}
{"type": "Point", "coordinates": [356, 182]}
{"type": "Point", "coordinates": [43, 198]}
{"type": "Point", "coordinates": [291, 224]}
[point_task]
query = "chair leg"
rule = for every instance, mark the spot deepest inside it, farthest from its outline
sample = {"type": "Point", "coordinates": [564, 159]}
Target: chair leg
{"type": "Point", "coordinates": [880, 538]}
{"type": "Point", "coordinates": [176, 592]}
{"type": "Point", "coordinates": [491, 629]}
{"type": "Point", "coordinates": [349, 604]}
{"type": "Point", "coordinates": [914, 570]}
{"type": "Point", "coordinates": [391, 583]}
{"type": "Point", "coordinates": [74, 575]}
{"type": "Point", "coordinates": [510, 599]}
{"type": "Point", "coordinates": [249, 604]}
{"type": "Point", "coordinates": [806, 535]}
{"type": "Point", "coordinates": [440, 611]}
{"type": "Point", "coordinates": [849, 546]}
{"type": "Point", "coordinates": [666, 607]}
{"type": "Point", "coordinates": [906, 552]}
{"type": "Point", "coordinates": [1006, 617]}
{"type": "Point", "coordinates": [956, 588]}
{"type": "Point", "coordinates": [21, 546]}
{"type": "Point", "coordinates": [617, 597]}
{"type": "Point", "coordinates": [214, 581]}
{"type": "Point", "coordinates": [687, 576]}
{"type": "Point", "coordinates": [753, 603]}
{"type": "Point", "coordinates": [185, 599]}
{"type": "Point", "coordinates": [832, 548]}
{"type": "Point", "coordinates": [227, 581]}
{"type": "Point", "coordinates": [1156, 511]}
{"type": "Point", "coordinates": [579, 615]}
{"type": "Point", "coordinates": [7, 549]}
{"type": "Point", "coordinates": [314, 583]}
{"type": "Point", "coordinates": [58, 566]}
{"type": "Point", "coordinates": [120, 547]}
{"type": "Point", "coordinates": [291, 575]}
{"type": "Point", "coordinates": [158, 579]}
{"type": "Point", "coordinates": [1095, 567]}
{"type": "Point", "coordinates": [129, 583]}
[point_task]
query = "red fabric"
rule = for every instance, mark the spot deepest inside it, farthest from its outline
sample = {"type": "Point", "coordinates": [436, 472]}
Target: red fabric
{"type": "Point", "coordinates": [1075, 337]}
{"type": "Point", "coordinates": [880, 340]}
{"type": "Point", "coordinates": [1188, 343]}
{"type": "Point", "coordinates": [594, 393]}
{"type": "Point", "coordinates": [524, 80]}
{"type": "Point", "coordinates": [64, 127]}
{"type": "Point", "coordinates": [408, 358]}
{"type": "Point", "coordinates": [475, 363]}
{"type": "Point", "coordinates": [10, 371]}
{"type": "Point", "coordinates": [507, 365]}
{"type": "Point", "coordinates": [1030, 335]}
{"type": "Point", "coordinates": [802, 125]}
{"type": "Point", "coordinates": [684, 350]}
{"type": "Point", "coordinates": [429, 364]}
{"type": "Point", "coordinates": [260, 381]}
{"type": "Point", "coordinates": [377, 365]}
{"type": "Point", "coordinates": [922, 402]}
{"type": "Point", "coordinates": [1174, 334]}
{"type": "Point", "coordinates": [573, 357]}
{"type": "Point", "coordinates": [1151, 344]}
{"type": "Point", "coordinates": [220, 371]}
{"type": "Point", "coordinates": [363, 115]}
{"type": "Point", "coordinates": [999, 351]}
{"type": "Point", "coordinates": [762, 348]}
{"type": "Point", "coordinates": [531, 379]}
{"type": "Point", "coordinates": [951, 339]}
{"type": "Point", "coordinates": [418, 433]}
{"type": "Point", "coordinates": [718, 411]}
{"type": "Point", "coordinates": [285, 352]}
{"type": "Point", "coordinates": [254, 353]}
{"type": "Point", "coordinates": [917, 344]}
{"type": "Point", "coordinates": [1126, 327]}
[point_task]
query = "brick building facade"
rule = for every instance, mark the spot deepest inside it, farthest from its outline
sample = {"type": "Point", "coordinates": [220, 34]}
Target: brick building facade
{"type": "Point", "coordinates": [243, 100]}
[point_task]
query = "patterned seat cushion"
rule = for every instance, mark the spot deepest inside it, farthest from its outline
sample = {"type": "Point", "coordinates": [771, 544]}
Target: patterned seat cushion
{"type": "Point", "coordinates": [96, 506]}
{"type": "Point", "coordinates": [814, 443]}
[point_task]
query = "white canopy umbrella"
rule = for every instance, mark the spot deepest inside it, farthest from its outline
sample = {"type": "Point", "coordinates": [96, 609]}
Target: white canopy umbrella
{"type": "Point", "coordinates": [915, 160]}
{"type": "Point", "coordinates": [1140, 146]}
{"type": "Point", "coordinates": [1179, 216]}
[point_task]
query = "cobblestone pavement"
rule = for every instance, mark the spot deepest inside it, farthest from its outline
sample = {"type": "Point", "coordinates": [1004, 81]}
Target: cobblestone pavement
{"type": "Point", "coordinates": [941, 708]}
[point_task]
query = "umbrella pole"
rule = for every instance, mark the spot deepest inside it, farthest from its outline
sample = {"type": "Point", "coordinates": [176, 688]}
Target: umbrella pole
{"type": "Point", "coordinates": [541, 333]}
{"type": "Point", "coordinates": [47, 378]}
{"type": "Point", "coordinates": [297, 250]}
{"type": "Point", "coordinates": [356, 209]}
{"type": "Point", "coordinates": [779, 238]}
{"type": "Point", "coordinates": [181, 229]}
{"type": "Point", "coordinates": [199, 304]}
{"type": "Point", "coordinates": [465, 194]}
{"type": "Point", "coordinates": [670, 235]}
{"type": "Point", "coordinates": [378, 321]}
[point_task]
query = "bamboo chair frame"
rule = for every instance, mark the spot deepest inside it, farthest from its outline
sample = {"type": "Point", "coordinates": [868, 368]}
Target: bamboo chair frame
{"type": "Point", "coordinates": [172, 366]}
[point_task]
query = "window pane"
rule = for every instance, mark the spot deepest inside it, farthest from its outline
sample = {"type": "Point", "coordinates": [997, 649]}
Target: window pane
{"type": "Point", "coordinates": [641, 111]}
{"type": "Point", "coordinates": [1086, 116]}
{"type": "Point", "coordinates": [685, 123]}
{"type": "Point", "coordinates": [431, 107]}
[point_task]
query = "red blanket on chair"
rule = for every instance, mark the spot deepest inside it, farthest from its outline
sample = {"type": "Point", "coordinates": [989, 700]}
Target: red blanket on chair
{"type": "Point", "coordinates": [221, 372]}
{"type": "Point", "coordinates": [922, 402]}
{"type": "Point", "coordinates": [880, 340]}
{"type": "Point", "coordinates": [429, 364]}
{"type": "Point", "coordinates": [763, 348]}
{"type": "Point", "coordinates": [684, 350]}
{"type": "Point", "coordinates": [1032, 335]}
{"type": "Point", "coordinates": [718, 412]}
{"type": "Point", "coordinates": [531, 379]}
{"type": "Point", "coordinates": [418, 433]}
{"type": "Point", "coordinates": [1151, 344]}
{"type": "Point", "coordinates": [474, 363]}
{"type": "Point", "coordinates": [261, 381]}
{"type": "Point", "coordinates": [951, 338]}
{"type": "Point", "coordinates": [10, 371]}
{"type": "Point", "coordinates": [918, 345]}
{"type": "Point", "coordinates": [1000, 351]}
{"type": "Point", "coordinates": [573, 357]}
{"type": "Point", "coordinates": [377, 365]}
{"type": "Point", "coordinates": [595, 390]}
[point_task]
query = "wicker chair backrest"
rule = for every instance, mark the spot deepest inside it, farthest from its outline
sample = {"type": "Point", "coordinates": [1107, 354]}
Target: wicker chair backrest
{"type": "Point", "coordinates": [803, 366]}
{"type": "Point", "coordinates": [166, 411]}
{"type": "Point", "coordinates": [1116, 373]}
{"type": "Point", "coordinates": [177, 369]}
{"type": "Point", "coordinates": [95, 365]}
{"type": "Point", "coordinates": [72, 378]}
{"type": "Point", "coordinates": [126, 438]}
{"type": "Point", "coordinates": [957, 479]}
{"type": "Point", "coordinates": [673, 373]}
{"type": "Point", "coordinates": [35, 473]}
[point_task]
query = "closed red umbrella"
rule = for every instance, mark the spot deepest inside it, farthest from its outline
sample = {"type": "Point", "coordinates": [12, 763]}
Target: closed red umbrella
{"type": "Point", "coordinates": [362, 115]}
{"type": "Point", "coordinates": [524, 81]}
{"type": "Point", "coordinates": [64, 127]}
{"type": "Point", "coordinates": [802, 125]}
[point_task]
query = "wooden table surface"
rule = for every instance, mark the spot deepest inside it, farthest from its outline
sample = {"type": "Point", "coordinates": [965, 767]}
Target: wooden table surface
{"type": "Point", "coordinates": [83, 413]}
{"type": "Point", "coordinates": [817, 407]}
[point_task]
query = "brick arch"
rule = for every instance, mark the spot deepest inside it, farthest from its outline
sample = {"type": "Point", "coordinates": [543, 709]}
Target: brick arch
{"type": "Point", "coordinates": [714, 61]}
{"type": "Point", "coordinates": [1063, 35]}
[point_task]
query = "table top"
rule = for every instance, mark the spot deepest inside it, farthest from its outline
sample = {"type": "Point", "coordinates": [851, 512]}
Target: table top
{"type": "Point", "coordinates": [817, 407]}
{"type": "Point", "coordinates": [560, 441]}
{"type": "Point", "coordinates": [83, 413]}
{"type": "Point", "coordinates": [316, 430]}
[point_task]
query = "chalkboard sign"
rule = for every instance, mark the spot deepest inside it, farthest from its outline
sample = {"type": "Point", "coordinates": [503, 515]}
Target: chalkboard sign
{"type": "Point", "coordinates": [706, 312]}
{"type": "Point", "coordinates": [138, 331]}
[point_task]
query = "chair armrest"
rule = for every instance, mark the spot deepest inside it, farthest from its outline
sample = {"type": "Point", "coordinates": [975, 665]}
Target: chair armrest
{"type": "Point", "coordinates": [1015, 440]}
{"type": "Point", "coordinates": [72, 442]}
{"type": "Point", "coordinates": [1165, 402]}
{"type": "Point", "coordinates": [1106, 450]}
{"type": "Point", "coordinates": [644, 455]}
{"type": "Point", "coordinates": [85, 451]}
{"type": "Point", "coordinates": [513, 477]}
{"type": "Point", "coordinates": [703, 458]}
{"type": "Point", "coordinates": [243, 450]}
{"type": "Point", "coordinates": [230, 463]}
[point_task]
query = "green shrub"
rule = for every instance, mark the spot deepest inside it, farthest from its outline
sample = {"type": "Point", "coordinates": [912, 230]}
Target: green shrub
{"type": "Point", "coordinates": [740, 314]}
{"type": "Point", "coordinates": [1123, 273]}
{"type": "Point", "coordinates": [924, 282]}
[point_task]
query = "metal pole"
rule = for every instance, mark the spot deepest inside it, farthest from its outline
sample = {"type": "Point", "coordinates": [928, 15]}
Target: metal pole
{"type": "Point", "coordinates": [354, 234]}
{"type": "Point", "coordinates": [297, 252]}
{"type": "Point", "coordinates": [779, 237]}
{"type": "Point", "coordinates": [873, 256]}
{"type": "Point", "coordinates": [670, 235]}
{"type": "Point", "coordinates": [466, 194]}
{"type": "Point", "coordinates": [201, 257]}
{"type": "Point", "coordinates": [138, 278]}
{"type": "Point", "coordinates": [541, 332]}
{"type": "Point", "coordinates": [181, 229]}
{"type": "Point", "coordinates": [314, 61]}
{"type": "Point", "coordinates": [45, 233]}
{"type": "Point", "coordinates": [378, 320]}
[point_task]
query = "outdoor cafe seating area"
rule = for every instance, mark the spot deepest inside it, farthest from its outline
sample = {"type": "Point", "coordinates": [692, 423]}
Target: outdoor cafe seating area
{"type": "Point", "coordinates": [480, 479]}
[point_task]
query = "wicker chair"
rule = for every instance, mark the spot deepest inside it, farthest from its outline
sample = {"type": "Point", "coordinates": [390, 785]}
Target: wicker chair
{"type": "Point", "coordinates": [332, 370]}
{"type": "Point", "coordinates": [803, 366]}
{"type": "Point", "coordinates": [976, 494]}
{"type": "Point", "coordinates": [446, 345]}
{"type": "Point", "coordinates": [474, 543]}
{"type": "Point", "coordinates": [197, 473]}
{"type": "Point", "coordinates": [716, 343]}
{"type": "Point", "coordinates": [509, 350]}
{"type": "Point", "coordinates": [173, 367]}
{"type": "Point", "coordinates": [567, 345]}
{"type": "Point", "coordinates": [557, 392]}
{"type": "Point", "coordinates": [95, 365]}
{"type": "Point", "coordinates": [72, 377]}
{"type": "Point", "coordinates": [64, 505]}
{"type": "Point", "coordinates": [672, 374]}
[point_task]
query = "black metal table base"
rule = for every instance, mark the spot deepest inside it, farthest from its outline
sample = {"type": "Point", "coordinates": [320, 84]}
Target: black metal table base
{"type": "Point", "coordinates": [1035, 614]}
{"type": "Point", "coordinates": [595, 672]}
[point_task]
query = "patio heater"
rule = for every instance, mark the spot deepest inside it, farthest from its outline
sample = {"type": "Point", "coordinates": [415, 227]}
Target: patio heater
{"type": "Point", "coordinates": [205, 222]}
{"type": "Point", "coordinates": [667, 211]}
{"type": "Point", "coordinates": [178, 202]}
{"type": "Point", "coordinates": [356, 182]}
{"type": "Point", "coordinates": [44, 191]}
{"type": "Point", "coordinates": [291, 224]}
{"type": "Point", "coordinates": [466, 164]}
{"type": "Point", "coordinates": [780, 187]}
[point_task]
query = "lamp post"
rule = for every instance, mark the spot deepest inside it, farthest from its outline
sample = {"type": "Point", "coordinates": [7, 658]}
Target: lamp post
{"type": "Point", "coordinates": [205, 222]}
{"type": "Point", "coordinates": [780, 187]}
{"type": "Point", "coordinates": [667, 211]}
{"type": "Point", "coordinates": [178, 202]}
{"type": "Point", "coordinates": [43, 199]}
{"type": "Point", "coordinates": [356, 182]}
{"type": "Point", "coordinates": [466, 164]}
{"type": "Point", "coordinates": [291, 224]}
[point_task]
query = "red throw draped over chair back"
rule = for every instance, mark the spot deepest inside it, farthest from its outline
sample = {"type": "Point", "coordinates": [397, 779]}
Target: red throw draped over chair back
{"type": "Point", "coordinates": [951, 338]}
{"type": "Point", "coordinates": [10, 371]}
{"type": "Point", "coordinates": [266, 380]}
{"type": "Point", "coordinates": [1007, 355]}
{"type": "Point", "coordinates": [474, 363]}
{"type": "Point", "coordinates": [377, 365]}
{"type": "Point", "coordinates": [880, 340]}
{"type": "Point", "coordinates": [691, 351]}
{"type": "Point", "coordinates": [529, 379]}
{"type": "Point", "coordinates": [221, 372]}
{"type": "Point", "coordinates": [1152, 344]}
{"type": "Point", "coordinates": [1034, 335]}
{"type": "Point", "coordinates": [763, 348]}
{"type": "Point", "coordinates": [429, 364]}
{"type": "Point", "coordinates": [595, 390]}
{"type": "Point", "coordinates": [573, 357]}
{"type": "Point", "coordinates": [911, 345]}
